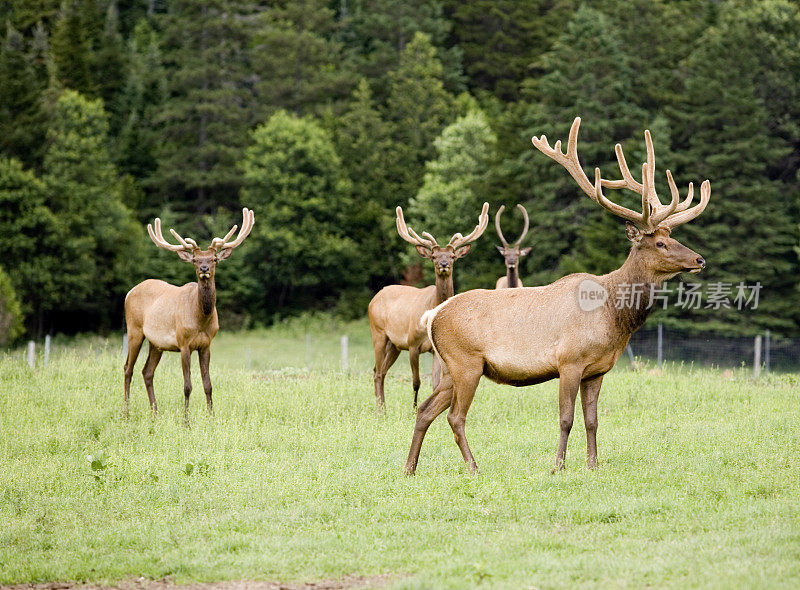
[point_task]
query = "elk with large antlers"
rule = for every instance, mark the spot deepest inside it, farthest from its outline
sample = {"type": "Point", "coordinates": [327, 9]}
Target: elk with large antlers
{"type": "Point", "coordinates": [178, 319]}
{"type": "Point", "coordinates": [395, 312]}
{"type": "Point", "coordinates": [574, 329]}
{"type": "Point", "coordinates": [511, 253]}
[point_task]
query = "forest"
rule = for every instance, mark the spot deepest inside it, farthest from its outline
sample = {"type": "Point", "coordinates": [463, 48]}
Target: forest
{"type": "Point", "coordinates": [322, 116]}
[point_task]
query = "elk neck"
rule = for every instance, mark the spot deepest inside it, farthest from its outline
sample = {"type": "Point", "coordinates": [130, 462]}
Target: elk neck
{"type": "Point", "coordinates": [512, 274]}
{"type": "Point", "coordinates": [206, 296]}
{"type": "Point", "coordinates": [635, 275]}
{"type": "Point", "coordinates": [444, 288]}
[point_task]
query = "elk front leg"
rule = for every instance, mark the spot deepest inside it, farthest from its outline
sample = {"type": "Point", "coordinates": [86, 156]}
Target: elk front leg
{"type": "Point", "coordinates": [205, 365]}
{"type": "Point", "coordinates": [413, 357]}
{"type": "Point", "coordinates": [464, 386]}
{"type": "Point", "coordinates": [135, 340]}
{"type": "Point", "coordinates": [568, 385]}
{"type": "Point", "coordinates": [153, 357]}
{"type": "Point", "coordinates": [437, 403]}
{"type": "Point", "coordinates": [590, 391]}
{"type": "Point", "coordinates": [186, 365]}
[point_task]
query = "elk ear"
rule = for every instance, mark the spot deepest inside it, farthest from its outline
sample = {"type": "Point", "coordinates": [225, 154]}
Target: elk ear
{"type": "Point", "coordinates": [633, 233]}
{"type": "Point", "coordinates": [462, 251]}
{"type": "Point", "coordinates": [423, 251]}
{"type": "Point", "coordinates": [525, 251]}
{"type": "Point", "coordinates": [223, 254]}
{"type": "Point", "coordinates": [501, 249]}
{"type": "Point", "coordinates": [185, 256]}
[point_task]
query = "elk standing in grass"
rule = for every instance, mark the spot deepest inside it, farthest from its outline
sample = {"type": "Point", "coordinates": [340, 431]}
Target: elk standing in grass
{"type": "Point", "coordinates": [395, 312]}
{"type": "Point", "coordinates": [512, 253]}
{"type": "Point", "coordinates": [531, 335]}
{"type": "Point", "coordinates": [178, 319]}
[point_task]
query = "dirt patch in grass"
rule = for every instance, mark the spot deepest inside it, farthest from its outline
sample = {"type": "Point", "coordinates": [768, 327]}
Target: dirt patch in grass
{"type": "Point", "coordinates": [346, 583]}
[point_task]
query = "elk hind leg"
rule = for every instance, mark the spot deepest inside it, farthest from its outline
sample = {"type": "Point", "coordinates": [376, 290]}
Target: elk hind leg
{"type": "Point", "coordinates": [568, 384]}
{"type": "Point", "coordinates": [413, 358]}
{"type": "Point", "coordinates": [153, 357]}
{"type": "Point", "coordinates": [464, 385]}
{"type": "Point", "coordinates": [437, 403]}
{"type": "Point", "coordinates": [135, 340]}
{"type": "Point", "coordinates": [386, 354]}
{"type": "Point", "coordinates": [590, 391]}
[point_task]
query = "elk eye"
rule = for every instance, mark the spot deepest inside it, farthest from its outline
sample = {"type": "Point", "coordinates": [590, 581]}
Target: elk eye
{"type": "Point", "coordinates": [660, 245]}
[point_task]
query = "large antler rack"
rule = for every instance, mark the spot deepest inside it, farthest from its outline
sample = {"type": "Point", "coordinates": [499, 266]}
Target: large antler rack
{"type": "Point", "coordinates": [500, 232]}
{"type": "Point", "coordinates": [248, 219]}
{"type": "Point", "coordinates": [429, 242]}
{"type": "Point", "coordinates": [189, 245]}
{"type": "Point", "coordinates": [654, 213]}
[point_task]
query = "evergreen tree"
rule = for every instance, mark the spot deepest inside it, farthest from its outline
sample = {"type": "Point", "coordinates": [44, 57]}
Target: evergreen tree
{"type": "Point", "coordinates": [419, 107]}
{"type": "Point", "coordinates": [100, 240]}
{"type": "Point", "coordinates": [299, 253]}
{"type": "Point", "coordinates": [72, 46]}
{"type": "Point", "coordinates": [299, 64]}
{"type": "Point", "coordinates": [202, 129]}
{"type": "Point", "coordinates": [110, 58]}
{"type": "Point", "coordinates": [11, 318]}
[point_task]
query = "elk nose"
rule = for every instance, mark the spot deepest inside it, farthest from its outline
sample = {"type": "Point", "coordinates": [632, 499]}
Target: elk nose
{"type": "Point", "coordinates": [701, 261]}
{"type": "Point", "coordinates": [204, 268]}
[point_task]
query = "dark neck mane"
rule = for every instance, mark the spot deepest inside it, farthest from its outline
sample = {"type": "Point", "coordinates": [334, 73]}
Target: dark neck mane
{"type": "Point", "coordinates": [444, 288]}
{"type": "Point", "coordinates": [207, 296]}
{"type": "Point", "coordinates": [632, 284]}
{"type": "Point", "coordinates": [512, 274]}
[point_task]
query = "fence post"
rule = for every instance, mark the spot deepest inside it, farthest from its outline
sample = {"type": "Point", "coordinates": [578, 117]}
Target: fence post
{"type": "Point", "coordinates": [31, 354]}
{"type": "Point", "coordinates": [766, 352]}
{"type": "Point", "coordinates": [125, 345]}
{"type": "Point", "coordinates": [46, 350]}
{"type": "Point", "coordinates": [308, 350]}
{"type": "Point", "coordinates": [757, 357]}
{"type": "Point", "coordinates": [344, 353]}
{"type": "Point", "coordinates": [660, 344]}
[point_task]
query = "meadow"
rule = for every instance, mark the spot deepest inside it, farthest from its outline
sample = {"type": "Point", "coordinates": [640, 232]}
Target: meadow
{"type": "Point", "coordinates": [296, 479]}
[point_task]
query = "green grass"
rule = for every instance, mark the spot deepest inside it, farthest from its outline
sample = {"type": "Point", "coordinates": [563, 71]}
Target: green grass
{"type": "Point", "coordinates": [297, 479]}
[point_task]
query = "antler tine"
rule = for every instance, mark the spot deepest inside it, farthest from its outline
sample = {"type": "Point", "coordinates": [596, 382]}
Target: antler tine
{"type": "Point", "coordinates": [158, 239]}
{"type": "Point", "coordinates": [248, 219]}
{"type": "Point", "coordinates": [683, 205]}
{"type": "Point", "coordinates": [497, 225]}
{"type": "Point", "coordinates": [524, 227]}
{"type": "Point", "coordinates": [188, 243]}
{"type": "Point", "coordinates": [624, 212]}
{"type": "Point", "coordinates": [677, 219]}
{"type": "Point", "coordinates": [458, 240]}
{"type": "Point", "coordinates": [409, 235]}
{"type": "Point", "coordinates": [570, 159]}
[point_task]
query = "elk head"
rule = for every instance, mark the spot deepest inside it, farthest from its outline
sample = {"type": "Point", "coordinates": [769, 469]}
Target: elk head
{"type": "Point", "coordinates": [205, 261]}
{"type": "Point", "coordinates": [512, 253]}
{"type": "Point", "coordinates": [649, 231]}
{"type": "Point", "coordinates": [443, 257]}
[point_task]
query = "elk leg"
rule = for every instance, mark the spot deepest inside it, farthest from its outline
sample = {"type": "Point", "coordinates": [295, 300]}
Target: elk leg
{"type": "Point", "coordinates": [135, 340]}
{"type": "Point", "coordinates": [436, 370]}
{"type": "Point", "coordinates": [568, 385]}
{"type": "Point", "coordinates": [590, 391]}
{"type": "Point", "coordinates": [413, 357]}
{"type": "Point", "coordinates": [186, 365]}
{"type": "Point", "coordinates": [464, 386]}
{"type": "Point", "coordinates": [385, 356]}
{"type": "Point", "coordinates": [437, 403]}
{"type": "Point", "coordinates": [205, 364]}
{"type": "Point", "coordinates": [153, 357]}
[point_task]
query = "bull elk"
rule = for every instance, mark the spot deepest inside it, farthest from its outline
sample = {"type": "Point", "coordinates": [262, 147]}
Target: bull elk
{"type": "Point", "coordinates": [178, 319]}
{"type": "Point", "coordinates": [526, 336]}
{"type": "Point", "coordinates": [395, 312]}
{"type": "Point", "coordinates": [511, 253]}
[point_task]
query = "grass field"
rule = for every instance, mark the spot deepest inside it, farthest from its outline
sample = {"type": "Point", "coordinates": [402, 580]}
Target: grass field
{"type": "Point", "coordinates": [295, 478]}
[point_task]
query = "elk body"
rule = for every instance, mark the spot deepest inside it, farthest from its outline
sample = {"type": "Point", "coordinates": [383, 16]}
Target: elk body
{"type": "Point", "coordinates": [511, 253]}
{"type": "Point", "coordinates": [525, 336]}
{"type": "Point", "coordinates": [178, 319]}
{"type": "Point", "coordinates": [395, 312]}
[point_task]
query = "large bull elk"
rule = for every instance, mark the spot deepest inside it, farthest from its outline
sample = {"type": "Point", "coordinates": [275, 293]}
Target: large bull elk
{"type": "Point", "coordinates": [573, 329]}
{"type": "Point", "coordinates": [178, 319]}
{"type": "Point", "coordinates": [511, 253]}
{"type": "Point", "coordinates": [395, 312]}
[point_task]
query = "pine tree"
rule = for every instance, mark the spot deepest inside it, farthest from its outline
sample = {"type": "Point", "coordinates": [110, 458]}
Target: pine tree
{"type": "Point", "coordinates": [72, 46]}
{"type": "Point", "coordinates": [11, 317]}
{"type": "Point", "coordinates": [202, 129]}
{"type": "Point", "coordinates": [299, 252]}
{"type": "Point", "coordinates": [419, 108]}
{"type": "Point", "coordinates": [110, 59]}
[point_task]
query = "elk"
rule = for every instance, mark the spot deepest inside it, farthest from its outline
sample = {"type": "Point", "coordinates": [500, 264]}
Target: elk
{"type": "Point", "coordinates": [512, 253]}
{"type": "Point", "coordinates": [395, 311]}
{"type": "Point", "coordinates": [178, 319]}
{"type": "Point", "coordinates": [531, 335]}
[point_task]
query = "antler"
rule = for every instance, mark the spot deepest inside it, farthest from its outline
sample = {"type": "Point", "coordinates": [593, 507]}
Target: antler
{"type": "Point", "coordinates": [188, 244]}
{"type": "Point", "coordinates": [409, 235]}
{"type": "Point", "coordinates": [248, 219]}
{"type": "Point", "coordinates": [654, 213]}
{"type": "Point", "coordinates": [483, 220]}
{"type": "Point", "coordinates": [524, 229]}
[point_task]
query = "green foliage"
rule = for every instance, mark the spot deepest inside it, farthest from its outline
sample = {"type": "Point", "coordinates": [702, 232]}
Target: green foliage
{"type": "Point", "coordinates": [73, 45]}
{"type": "Point", "coordinates": [11, 316]}
{"type": "Point", "coordinates": [299, 253]}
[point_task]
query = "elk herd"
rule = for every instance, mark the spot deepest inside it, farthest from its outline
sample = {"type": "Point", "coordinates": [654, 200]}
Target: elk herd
{"type": "Point", "coordinates": [511, 334]}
